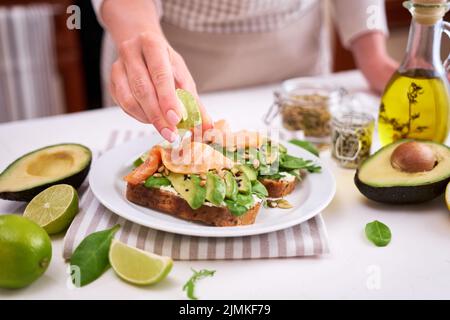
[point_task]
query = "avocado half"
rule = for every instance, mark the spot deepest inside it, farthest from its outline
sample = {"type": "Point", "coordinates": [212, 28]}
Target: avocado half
{"type": "Point", "coordinates": [379, 181]}
{"type": "Point", "coordinates": [34, 172]}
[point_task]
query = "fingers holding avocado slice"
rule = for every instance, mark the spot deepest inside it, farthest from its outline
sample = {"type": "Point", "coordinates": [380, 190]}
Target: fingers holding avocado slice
{"type": "Point", "coordinates": [191, 116]}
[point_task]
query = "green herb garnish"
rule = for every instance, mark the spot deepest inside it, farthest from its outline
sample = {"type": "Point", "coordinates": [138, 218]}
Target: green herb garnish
{"type": "Point", "coordinates": [308, 146]}
{"type": "Point", "coordinates": [378, 233]}
{"type": "Point", "coordinates": [189, 286]}
{"type": "Point", "coordinates": [90, 258]}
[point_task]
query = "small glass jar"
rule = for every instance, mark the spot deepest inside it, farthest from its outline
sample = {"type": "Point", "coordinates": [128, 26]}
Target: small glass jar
{"type": "Point", "coordinates": [306, 109]}
{"type": "Point", "coordinates": [351, 136]}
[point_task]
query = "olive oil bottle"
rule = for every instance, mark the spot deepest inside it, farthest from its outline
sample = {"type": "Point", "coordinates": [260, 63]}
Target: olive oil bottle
{"type": "Point", "coordinates": [416, 101]}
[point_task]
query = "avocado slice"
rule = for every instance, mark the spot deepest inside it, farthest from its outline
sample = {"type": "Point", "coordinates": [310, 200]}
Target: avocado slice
{"type": "Point", "coordinates": [215, 189]}
{"type": "Point", "coordinates": [231, 189]}
{"type": "Point", "coordinates": [378, 180]}
{"type": "Point", "coordinates": [34, 172]}
{"type": "Point", "coordinates": [189, 188]}
{"type": "Point", "coordinates": [248, 171]}
{"type": "Point", "coordinates": [243, 182]}
{"type": "Point", "coordinates": [191, 113]}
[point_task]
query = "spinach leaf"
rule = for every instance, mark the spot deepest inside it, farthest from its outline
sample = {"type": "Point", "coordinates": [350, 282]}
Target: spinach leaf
{"type": "Point", "coordinates": [245, 200]}
{"type": "Point", "coordinates": [259, 189]}
{"type": "Point", "coordinates": [308, 146]}
{"type": "Point", "coordinates": [275, 176]}
{"type": "Point", "coordinates": [90, 258]}
{"type": "Point", "coordinates": [282, 148]}
{"type": "Point", "coordinates": [156, 182]}
{"type": "Point", "coordinates": [378, 233]}
{"type": "Point", "coordinates": [296, 173]}
{"type": "Point", "coordinates": [290, 162]}
{"type": "Point", "coordinates": [189, 286]}
{"type": "Point", "coordinates": [235, 208]}
{"type": "Point", "coordinates": [138, 162]}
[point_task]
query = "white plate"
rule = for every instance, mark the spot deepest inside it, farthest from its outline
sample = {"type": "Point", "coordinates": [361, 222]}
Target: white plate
{"type": "Point", "coordinates": [312, 195]}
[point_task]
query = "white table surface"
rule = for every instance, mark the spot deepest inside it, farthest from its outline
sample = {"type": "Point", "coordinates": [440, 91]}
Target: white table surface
{"type": "Point", "coordinates": [415, 265]}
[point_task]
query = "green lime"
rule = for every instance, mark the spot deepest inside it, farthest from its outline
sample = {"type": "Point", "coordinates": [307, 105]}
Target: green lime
{"type": "Point", "coordinates": [25, 251]}
{"type": "Point", "coordinates": [191, 113]}
{"type": "Point", "coordinates": [137, 266]}
{"type": "Point", "coordinates": [54, 208]}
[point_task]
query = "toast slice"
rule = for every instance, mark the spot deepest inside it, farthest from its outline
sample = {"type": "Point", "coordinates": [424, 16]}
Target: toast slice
{"type": "Point", "coordinates": [170, 203]}
{"type": "Point", "coordinates": [279, 188]}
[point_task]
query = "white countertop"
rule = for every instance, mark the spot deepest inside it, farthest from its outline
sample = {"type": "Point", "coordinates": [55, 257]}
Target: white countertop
{"type": "Point", "coordinates": [416, 264]}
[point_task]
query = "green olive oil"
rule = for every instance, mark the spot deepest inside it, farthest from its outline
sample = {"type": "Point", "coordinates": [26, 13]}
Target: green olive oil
{"type": "Point", "coordinates": [415, 105]}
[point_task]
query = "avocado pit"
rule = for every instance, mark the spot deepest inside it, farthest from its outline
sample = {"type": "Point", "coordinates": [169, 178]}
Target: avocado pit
{"type": "Point", "coordinates": [413, 157]}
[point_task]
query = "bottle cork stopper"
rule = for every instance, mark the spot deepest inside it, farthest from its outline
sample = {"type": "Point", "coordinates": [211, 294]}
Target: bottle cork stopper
{"type": "Point", "coordinates": [428, 12]}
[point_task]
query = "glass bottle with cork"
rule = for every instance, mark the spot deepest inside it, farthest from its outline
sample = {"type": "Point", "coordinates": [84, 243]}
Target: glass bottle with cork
{"type": "Point", "coordinates": [416, 101]}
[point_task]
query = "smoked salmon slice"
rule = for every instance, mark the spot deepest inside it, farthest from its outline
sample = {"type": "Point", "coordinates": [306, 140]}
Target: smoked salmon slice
{"type": "Point", "coordinates": [190, 158]}
{"type": "Point", "coordinates": [195, 157]}
{"type": "Point", "coordinates": [147, 168]}
{"type": "Point", "coordinates": [222, 135]}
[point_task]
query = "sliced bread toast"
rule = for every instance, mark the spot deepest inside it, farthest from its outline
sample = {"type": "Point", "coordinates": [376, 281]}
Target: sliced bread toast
{"type": "Point", "coordinates": [279, 188]}
{"type": "Point", "coordinates": [170, 203]}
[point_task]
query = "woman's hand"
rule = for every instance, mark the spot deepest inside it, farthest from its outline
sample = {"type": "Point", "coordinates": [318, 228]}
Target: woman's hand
{"type": "Point", "coordinates": [148, 70]}
{"type": "Point", "coordinates": [369, 51]}
{"type": "Point", "coordinates": [143, 82]}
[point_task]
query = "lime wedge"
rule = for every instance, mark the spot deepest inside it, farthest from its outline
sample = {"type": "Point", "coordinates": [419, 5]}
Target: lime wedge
{"type": "Point", "coordinates": [54, 208]}
{"type": "Point", "coordinates": [191, 116]}
{"type": "Point", "coordinates": [447, 196]}
{"type": "Point", "coordinates": [138, 266]}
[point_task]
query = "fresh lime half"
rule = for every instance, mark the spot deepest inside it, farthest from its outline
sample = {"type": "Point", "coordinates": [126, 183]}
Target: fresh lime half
{"type": "Point", "coordinates": [54, 208]}
{"type": "Point", "coordinates": [138, 266]}
{"type": "Point", "coordinates": [191, 114]}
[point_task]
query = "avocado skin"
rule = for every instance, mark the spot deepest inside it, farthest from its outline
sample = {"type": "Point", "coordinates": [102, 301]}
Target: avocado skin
{"type": "Point", "coordinates": [27, 195]}
{"type": "Point", "coordinates": [402, 195]}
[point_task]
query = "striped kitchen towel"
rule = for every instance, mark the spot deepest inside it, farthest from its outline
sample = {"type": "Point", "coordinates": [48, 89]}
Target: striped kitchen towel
{"type": "Point", "coordinates": [306, 239]}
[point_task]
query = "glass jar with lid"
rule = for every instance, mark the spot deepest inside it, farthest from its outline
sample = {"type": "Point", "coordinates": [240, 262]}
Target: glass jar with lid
{"type": "Point", "coordinates": [306, 108]}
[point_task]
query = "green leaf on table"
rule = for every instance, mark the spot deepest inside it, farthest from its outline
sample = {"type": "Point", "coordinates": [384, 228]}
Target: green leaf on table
{"type": "Point", "coordinates": [90, 258]}
{"type": "Point", "coordinates": [308, 146]}
{"type": "Point", "coordinates": [189, 286]}
{"type": "Point", "coordinates": [378, 233]}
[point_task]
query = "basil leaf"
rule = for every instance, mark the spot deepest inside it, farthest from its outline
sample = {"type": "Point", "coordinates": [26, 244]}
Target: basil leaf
{"type": "Point", "coordinates": [156, 182]}
{"type": "Point", "coordinates": [189, 286]}
{"type": "Point", "coordinates": [308, 146]}
{"type": "Point", "coordinates": [378, 233]}
{"type": "Point", "coordinates": [235, 208]}
{"type": "Point", "coordinates": [259, 189]}
{"type": "Point", "coordinates": [90, 258]}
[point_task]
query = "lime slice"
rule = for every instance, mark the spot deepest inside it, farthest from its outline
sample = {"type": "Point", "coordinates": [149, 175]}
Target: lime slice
{"type": "Point", "coordinates": [447, 196]}
{"type": "Point", "coordinates": [138, 266]}
{"type": "Point", "coordinates": [191, 116]}
{"type": "Point", "coordinates": [54, 208]}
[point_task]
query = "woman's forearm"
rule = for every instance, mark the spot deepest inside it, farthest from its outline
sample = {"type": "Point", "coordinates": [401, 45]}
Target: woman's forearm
{"type": "Point", "coordinates": [140, 16]}
{"type": "Point", "coordinates": [372, 58]}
